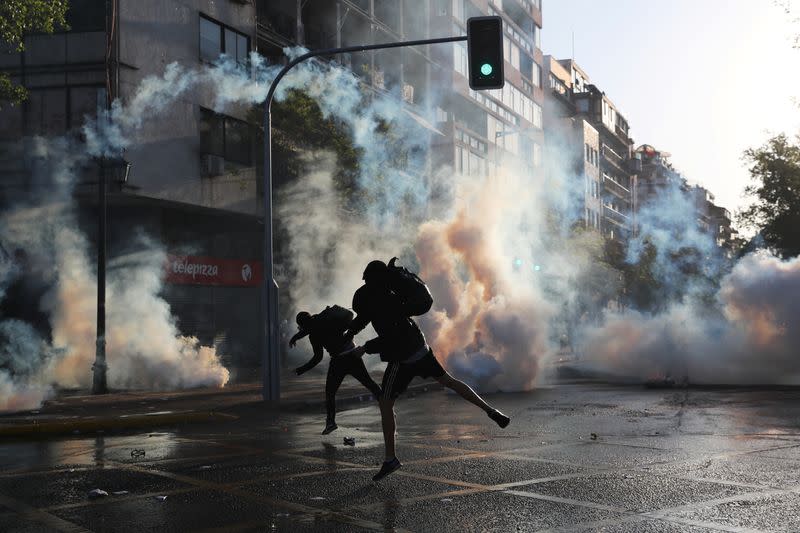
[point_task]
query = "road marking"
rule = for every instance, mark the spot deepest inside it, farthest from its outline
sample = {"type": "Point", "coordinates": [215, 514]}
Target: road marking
{"type": "Point", "coordinates": [40, 516]}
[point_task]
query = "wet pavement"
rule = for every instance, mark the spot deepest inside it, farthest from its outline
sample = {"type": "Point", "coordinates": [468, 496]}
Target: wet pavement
{"type": "Point", "coordinates": [659, 460]}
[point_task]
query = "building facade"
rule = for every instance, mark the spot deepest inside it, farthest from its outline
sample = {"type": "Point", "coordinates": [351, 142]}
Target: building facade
{"type": "Point", "coordinates": [193, 175]}
{"type": "Point", "coordinates": [191, 183]}
{"type": "Point", "coordinates": [658, 176]}
{"type": "Point", "coordinates": [583, 125]}
{"type": "Point", "coordinates": [473, 130]}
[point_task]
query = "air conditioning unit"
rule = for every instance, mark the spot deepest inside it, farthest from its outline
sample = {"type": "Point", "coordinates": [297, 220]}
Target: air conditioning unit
{"type": "Point", "coordinates": [212, 165]}
{"type": "Point", "coordinates": [408, 93]}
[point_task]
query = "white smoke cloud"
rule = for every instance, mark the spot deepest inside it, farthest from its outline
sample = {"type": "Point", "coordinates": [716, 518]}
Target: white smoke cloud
{"type": "Point", "coordinates": [144, 348]}
{"type": "Point", "coordinates": [752, 340]}
{"type": "Point", "coordinates": [475, 240]}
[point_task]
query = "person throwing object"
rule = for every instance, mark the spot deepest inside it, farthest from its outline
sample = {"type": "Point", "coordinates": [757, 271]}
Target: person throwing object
{"type": "Point", "coordinates": [388, 299]}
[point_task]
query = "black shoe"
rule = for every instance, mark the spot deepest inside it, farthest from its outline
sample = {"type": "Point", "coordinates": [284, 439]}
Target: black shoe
{"type": "Point", "coordinates": [501, 419]}
{"type": "Point", "coordinates": [330, 427]}
{"type": "Point", "coordinates": [387, 468]}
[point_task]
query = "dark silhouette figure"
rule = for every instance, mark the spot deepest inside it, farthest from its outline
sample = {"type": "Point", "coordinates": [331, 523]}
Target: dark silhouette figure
{"type": "Point", "coordinates": [402, 344]}
{"type": "Point", "coordinates": [326, 330]}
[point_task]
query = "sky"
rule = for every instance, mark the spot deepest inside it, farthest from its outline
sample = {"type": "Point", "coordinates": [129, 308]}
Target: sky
{"type": "Point", "coordinates": [700, 79]}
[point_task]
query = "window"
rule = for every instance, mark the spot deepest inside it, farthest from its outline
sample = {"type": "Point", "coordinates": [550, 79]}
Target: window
{"type": "Point", "coordinates": [460, 59]}
{"type": "Point", "coordinates": [537, 115]}
{"type": "Point", "coordinates": [458, 10]}
{"type": "Point", "coordinates": [537, 155]}
{"type": "Point", "coordinates": [536, 77]}
{"type": "Point", "coordinates": [86, 15]}
{"type": "Point", "coordinates": [210, 40]}
{"type": "Point", "coordinates": [467, 162]}
{"type": "Point", "coordinates": [217, 39]}
{"type": "Point", "coordinates": [56, 111]}
{"type": "Point", "coordinates": [225, 137]}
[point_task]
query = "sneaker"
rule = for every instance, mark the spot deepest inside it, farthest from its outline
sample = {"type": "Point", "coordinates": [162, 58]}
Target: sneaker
{"type": "Point", "coordinates": [387, 468]}
{"type": "Point", "coordinates": [501, 419]}
{"type": "Point", "coordinates": [329, 428]}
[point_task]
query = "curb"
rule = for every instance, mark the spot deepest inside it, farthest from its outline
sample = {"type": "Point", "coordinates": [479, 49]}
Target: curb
{"type": "Point", "coordinates": [94, 424]}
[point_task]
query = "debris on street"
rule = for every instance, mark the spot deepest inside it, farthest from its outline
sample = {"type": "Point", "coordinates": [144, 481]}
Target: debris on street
{"type": "Point", "coordinates": [97, 493]}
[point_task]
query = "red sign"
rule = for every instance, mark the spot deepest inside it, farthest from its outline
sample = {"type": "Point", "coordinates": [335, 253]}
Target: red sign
{"type": "Point", "coordinates": [198, 270]}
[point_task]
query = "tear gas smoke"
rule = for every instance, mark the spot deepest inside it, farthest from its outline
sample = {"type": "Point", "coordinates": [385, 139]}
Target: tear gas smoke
{"type": "Point", "coordinates": [752, 341]}
{"type": "Point", "coordinates": [144, 347]}
{"type": "Point", "coordinates": [506, 275]}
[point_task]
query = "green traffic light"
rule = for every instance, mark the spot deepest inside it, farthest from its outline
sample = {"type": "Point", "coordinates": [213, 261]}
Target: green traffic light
{"type": "Point", "coordinates": [486, 69]}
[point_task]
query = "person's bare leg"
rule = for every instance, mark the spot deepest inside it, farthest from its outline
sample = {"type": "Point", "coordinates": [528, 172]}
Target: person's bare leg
{"type": "Point", "coordinates": [466, 392]}
{"type": "Point", "coordinates": [463, 390]}
{"type": "Point", "coordinates": [389, 425]}
{"type": "Point", "coordinates": [388, 422]}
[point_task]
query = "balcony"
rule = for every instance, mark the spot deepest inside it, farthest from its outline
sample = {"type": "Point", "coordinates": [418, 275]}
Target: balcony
{"type": "Point", "coordinates": [560, 89]}
{"type": "Point", "coordinates": [615, 188]}
{"type": "Point", "coordinates": [613, 157]}
{"type": "Point", "coordinates": [621, 133]}
{"type": "Point", "coordinates": [277, 28]}
{"type": "Point", "coordinates": [612, 215]}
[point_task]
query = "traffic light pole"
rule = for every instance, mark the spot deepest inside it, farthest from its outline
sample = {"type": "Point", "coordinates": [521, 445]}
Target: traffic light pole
{"type": "Point", "coordinates": [269, 289]}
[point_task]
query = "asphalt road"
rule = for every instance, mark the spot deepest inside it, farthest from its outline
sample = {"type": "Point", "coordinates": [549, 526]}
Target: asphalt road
{"type": "Point", "coordinates": [575, 458]}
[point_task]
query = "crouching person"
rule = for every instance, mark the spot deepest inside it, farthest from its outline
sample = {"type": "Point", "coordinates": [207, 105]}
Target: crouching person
{"type": "Point", "coordinates": [326, 331]}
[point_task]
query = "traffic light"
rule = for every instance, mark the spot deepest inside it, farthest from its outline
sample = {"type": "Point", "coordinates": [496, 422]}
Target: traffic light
{"type": "Point", "coordinates": [485, 50]}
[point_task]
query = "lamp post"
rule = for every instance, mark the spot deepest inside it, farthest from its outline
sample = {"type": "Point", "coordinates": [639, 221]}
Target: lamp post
{"type": "Point", "coordinates": [99, 368]}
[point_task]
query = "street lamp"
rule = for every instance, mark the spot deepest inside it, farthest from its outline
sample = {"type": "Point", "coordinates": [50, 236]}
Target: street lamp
{"type": "Point", "coordinates": [99, 368]}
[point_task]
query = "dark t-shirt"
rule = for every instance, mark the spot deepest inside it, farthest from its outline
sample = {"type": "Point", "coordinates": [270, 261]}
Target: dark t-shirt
{"type": "Point", "coordinates": [399, 337]}
{"type": "Point", "coordinates": [323, 335]}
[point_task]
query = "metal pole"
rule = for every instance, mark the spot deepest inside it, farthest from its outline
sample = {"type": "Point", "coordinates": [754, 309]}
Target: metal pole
{"type": "Point", "coordinates": [270, 356]}
{"type": "Point", "coordinates": [99, 367]}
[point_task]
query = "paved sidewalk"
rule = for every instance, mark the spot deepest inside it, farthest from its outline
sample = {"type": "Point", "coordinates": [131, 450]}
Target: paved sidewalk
{"type": "Point", "coordinates": [79, 412]}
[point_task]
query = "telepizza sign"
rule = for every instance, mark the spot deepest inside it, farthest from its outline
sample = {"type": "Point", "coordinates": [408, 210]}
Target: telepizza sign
{"type": "Point", "coordinates": [201, 270]}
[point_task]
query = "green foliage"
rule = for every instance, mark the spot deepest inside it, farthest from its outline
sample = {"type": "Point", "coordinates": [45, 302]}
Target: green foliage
{"type": "Point", "coordinates": [298, 124]}
{"type": "Point", "coordinates": [775, 213]}
{"type": "Point", "coordinates": [19, 17]}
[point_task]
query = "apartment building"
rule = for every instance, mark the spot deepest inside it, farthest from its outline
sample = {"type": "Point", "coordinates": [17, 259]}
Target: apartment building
{"type": "Point", "coordinates": [472, 131]}
{"type": "Point", "coordinates": [658, 175]}
{"type": "Point", "coordinates": [484, 128]}
{"type": "Point", "coordinates": [189, 179]}
{"type": "Point", "coordinates": [581, 120]}
{"type": "Point", "coordinates": [714, 220]}
{"type": "Point", "coordinates": [572, 143]}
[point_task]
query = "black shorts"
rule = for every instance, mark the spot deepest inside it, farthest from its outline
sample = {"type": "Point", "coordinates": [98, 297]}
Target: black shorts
{"type": "Point", "coordinates": [398, 375]}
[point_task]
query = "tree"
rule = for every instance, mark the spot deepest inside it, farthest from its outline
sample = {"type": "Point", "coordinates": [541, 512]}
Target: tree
{"type": "Point", "coordinates": [775, 213]}
{"type": "Point", "coordinates": [19, 17]}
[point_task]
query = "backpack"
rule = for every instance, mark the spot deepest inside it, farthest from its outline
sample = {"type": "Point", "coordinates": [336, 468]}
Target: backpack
{"type": "Point", "coordinates": [414, 295]}
{"type": "Point", "coordinates": [335, 318]}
